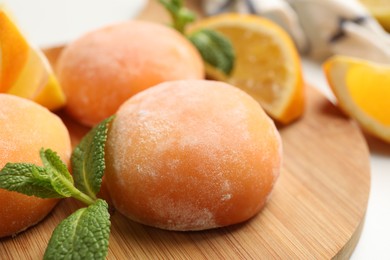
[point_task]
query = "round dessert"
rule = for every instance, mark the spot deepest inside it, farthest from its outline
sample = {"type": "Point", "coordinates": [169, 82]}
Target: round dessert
{"type": "Point", "coordinates": [26, 127]}
{"type": "Point", "coordinates": [191, 155]}
{"type": "Point", "coordinates": [102, 69]}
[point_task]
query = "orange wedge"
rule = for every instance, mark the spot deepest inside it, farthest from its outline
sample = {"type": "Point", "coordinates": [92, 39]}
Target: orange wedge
{"type": "Point", "coordinates": [362, 89]}
{"type": "Point", "coordinates": [24, 70]}
{"type": "Point", "coordinates": [14, 52]}
{"type": "Point", "coordinates": [267, 64]}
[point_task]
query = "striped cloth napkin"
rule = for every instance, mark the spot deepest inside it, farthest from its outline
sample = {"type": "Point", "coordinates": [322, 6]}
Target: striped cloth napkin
{"type": "Point", "coordinates": [320, 28]}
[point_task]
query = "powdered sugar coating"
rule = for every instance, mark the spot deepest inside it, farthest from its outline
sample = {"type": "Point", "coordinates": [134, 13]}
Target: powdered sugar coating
{"type": "Point", "coordinates": [105, 67]}
{"type": "Point", "coordinates": [190, 155]}
{"type": "Point", "coordinates": [25, 128]}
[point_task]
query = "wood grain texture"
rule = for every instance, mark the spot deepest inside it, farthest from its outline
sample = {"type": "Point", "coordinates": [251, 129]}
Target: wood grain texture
{"type": "Point", "coordinates": [316, 210]}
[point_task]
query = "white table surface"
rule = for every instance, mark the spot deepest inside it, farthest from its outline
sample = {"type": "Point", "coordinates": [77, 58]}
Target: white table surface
{"type": "Point", "coordinates": [53, 22]}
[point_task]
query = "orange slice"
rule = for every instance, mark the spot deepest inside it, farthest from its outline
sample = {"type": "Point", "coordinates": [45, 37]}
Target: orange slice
{"type": "Point", "coordinates": [24, 70]}
{"type": "Point", "coordinates": [267, 64]}
{"type": "Point", "coordinates": [362, 91]}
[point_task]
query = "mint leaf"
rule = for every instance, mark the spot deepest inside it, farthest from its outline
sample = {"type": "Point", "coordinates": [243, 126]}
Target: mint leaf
{"type": "Point", "coordinates": [88, 159]}
{"type": "Point", "coordinates": [215, 48]}
{"type": "Point", "coordinates": [51, 181]}
{"type": "Point", "coordinates": [28, 179]}
{"type": "Point", "coordinates": [180, 15]}
{"type": "Point", "coordinates": [60, 178]}
{"type": "Point", "coordinates": [53, 162]}
{"type": "Point", "coordinates": [83, 235]}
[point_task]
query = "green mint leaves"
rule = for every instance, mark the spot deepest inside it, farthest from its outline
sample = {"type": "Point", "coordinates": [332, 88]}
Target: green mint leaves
{"type": "Point", "coordinates": [88, 160]}
{"type": "Point", "coordinates": [57, 172]}
{"type": "Point", "coordinates": [83, 235]}
{"type": "Point", "coordinates": [53, 180]}
{"type": "Point", "coordinates": [215, 49]}
{"type": "Point", "coordinates": [180, 15]}
{"type": "Point", "coordinates": [28, 179]}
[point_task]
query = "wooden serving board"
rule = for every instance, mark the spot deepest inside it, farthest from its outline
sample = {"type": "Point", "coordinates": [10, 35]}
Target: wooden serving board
{"type": "Point", "coordinates": [316, 210]}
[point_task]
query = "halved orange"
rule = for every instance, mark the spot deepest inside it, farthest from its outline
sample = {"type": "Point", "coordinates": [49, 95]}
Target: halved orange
{"type": "Point", "coordinates": [362, 89]}
{"type": "Point", "coordinates": [267, 64]}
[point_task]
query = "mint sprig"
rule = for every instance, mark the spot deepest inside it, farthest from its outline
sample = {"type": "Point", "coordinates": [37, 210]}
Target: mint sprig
{"type": "Point", "coordinates": [53, 180]}
{"type": "Point", "coordinates": [28, 179]}
{"type": "Point", "coordinates": [180, 15]}
{"type": "Point", "coordinates": [215, 49]}
{"type": "Point", "coordinates": [85, 233]}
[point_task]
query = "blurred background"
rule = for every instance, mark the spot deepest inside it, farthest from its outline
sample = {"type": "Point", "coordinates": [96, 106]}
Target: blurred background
{"type": "Point", "coordinates": [54, 22]}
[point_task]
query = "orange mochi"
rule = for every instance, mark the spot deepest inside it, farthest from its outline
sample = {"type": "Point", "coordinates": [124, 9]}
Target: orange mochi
{"type": "Point", "coordinates": [191, 155]}
{"type": "Point", "coordinates": [26, 127]}
{"type": "Point", "coordinates": [103, 68]}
